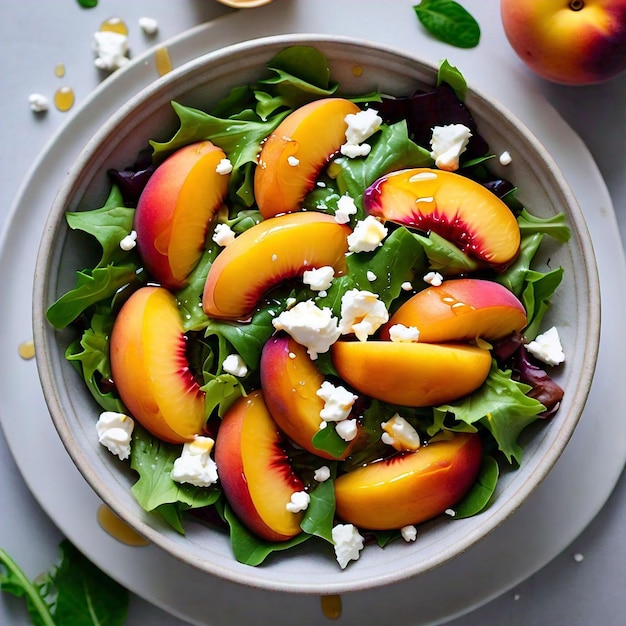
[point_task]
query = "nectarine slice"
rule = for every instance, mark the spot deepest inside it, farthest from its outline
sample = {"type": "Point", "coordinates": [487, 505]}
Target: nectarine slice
{"type": "Point", "coordinates": [451, 205]}
{"type": "Point", "coordinates": [290, 381]}
{"type": "Point", "coordinates": [254, 470]}
{"type": "Point", "coordinates": [411, 374]}
{"type": "Point", "coordinates": [150, 368]}
{"type": "Point", "coordinates": [175, 209]}
{"type": "Point", "coordinates": [410, 488]}
{"type": "Point", "coordinates": [461, 310]}
{"type": "Point", "coordinates": [294, 154]}
{"type": "Point", "coordinates": [273, 250]}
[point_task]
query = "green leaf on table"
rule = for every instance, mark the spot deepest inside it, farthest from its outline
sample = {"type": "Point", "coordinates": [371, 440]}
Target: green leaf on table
{"type": "Point", "coordinates": [74, 593]}
{"type": "Point", "coordinates": [449, 22]}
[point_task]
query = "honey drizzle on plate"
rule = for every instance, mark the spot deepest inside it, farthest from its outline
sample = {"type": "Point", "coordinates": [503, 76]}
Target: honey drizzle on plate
{"type": "Point", "coordinates": [118, 528]}
{"type": "Point", "coordinates": [331, 606]}
{"type": "Point", "coordinates": [26, 349]}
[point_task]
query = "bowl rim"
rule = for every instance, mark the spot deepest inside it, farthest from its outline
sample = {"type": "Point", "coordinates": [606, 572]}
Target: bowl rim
{"type": "Point", "coordinates": [42, 331]}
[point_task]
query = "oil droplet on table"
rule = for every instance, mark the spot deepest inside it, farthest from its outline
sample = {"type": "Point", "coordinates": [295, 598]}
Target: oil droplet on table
{"type": "Point", "coordinates": [331, 606]}
{"type": "Point", "coordinates": [59, 70]}
{"type": "Point", "coordinates": [118, 528]}
{"type": "Point", "coordinates": [26, 349]}
{"type": "Point", "coordinates": [357, 71]}
{"type": "Point", "coordinates": [114, 25]}
{"type": "Point", "coordinates": [162, 61]}
{"type": "Point", "coordinates": [64, 98]}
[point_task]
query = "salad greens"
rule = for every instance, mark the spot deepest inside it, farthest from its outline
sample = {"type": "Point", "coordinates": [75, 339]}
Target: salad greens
{"type": "Point", "coordinates": [515, 394]}
{"type": "Point", "coordinates": [449, 22]}
{"type": "Point", "coordinates": [73, 593]}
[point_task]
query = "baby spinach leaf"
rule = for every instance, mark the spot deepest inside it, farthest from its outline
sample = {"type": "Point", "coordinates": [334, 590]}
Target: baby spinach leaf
{"type": "Point", "coordinates": [450, 74]}
{"type": "Point", "coordinates": [221, 392]}
{"type": "Point", "coordinates": [444, 256]}
{"type": "Point", "coordinates": [449, 22]}
{"type": "Point", "coordinates": [319, 516]}
{"type": "Point", "coordinates": [250, 549]}
{"type": "Point", "coordinates": [391, 150]}
{"type": "Point", "coordinates": [478, 497]}
{"type": "Point", "coordinates": [329, 441]}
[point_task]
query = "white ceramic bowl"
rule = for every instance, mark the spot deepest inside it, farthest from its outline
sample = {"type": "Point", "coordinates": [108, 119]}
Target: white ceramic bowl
{"type": "Point", "coordinates": [201, 83]}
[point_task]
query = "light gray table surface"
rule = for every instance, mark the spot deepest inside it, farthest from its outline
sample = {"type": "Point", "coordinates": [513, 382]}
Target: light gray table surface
{"type": "Point", "coordinates": [34, 37]}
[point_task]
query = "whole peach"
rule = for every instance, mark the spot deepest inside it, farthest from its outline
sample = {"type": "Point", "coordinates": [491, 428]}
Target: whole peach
{"type": "Point", "coordinates": [574, 42]}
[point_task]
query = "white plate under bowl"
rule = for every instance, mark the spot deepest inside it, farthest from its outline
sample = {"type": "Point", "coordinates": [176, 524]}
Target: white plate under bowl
{"type": "Point", "coordinates": [307, 569]}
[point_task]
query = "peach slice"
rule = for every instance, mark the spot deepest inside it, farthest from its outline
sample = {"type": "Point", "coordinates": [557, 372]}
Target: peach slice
{"type": "Point", "coordinates": [274, 250]}
{"type": "Point", "coordinates": [150, 367]}
{"type": "Point", "coordinates": [294, 154]}
{"type": "Point", "coordinates": [175, 210]}
{"type": "Point", "coordinates": [254, 470]}
{"type": "Point", "coordinates": [453, 206]}
{"type": "Point", "coordinates": [411, 374]}
{"type": "Point", "coordinates": [410, 488]}
{"type": "Point", "coordinates": [461, 310]}
{"type": "Point", "coordinates": [290, 380]}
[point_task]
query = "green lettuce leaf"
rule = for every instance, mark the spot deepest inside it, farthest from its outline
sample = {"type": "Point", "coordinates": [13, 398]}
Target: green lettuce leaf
{"type": "Point", "coordinates": [501, 406]}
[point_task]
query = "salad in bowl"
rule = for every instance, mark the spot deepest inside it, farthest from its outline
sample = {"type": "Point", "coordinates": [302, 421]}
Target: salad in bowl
{"type": "Point", "coordinates": [316, 314]}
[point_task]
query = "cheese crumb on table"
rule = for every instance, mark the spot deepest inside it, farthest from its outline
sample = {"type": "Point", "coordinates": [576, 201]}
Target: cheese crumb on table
{"type": "Point", "coordinates": [38, 103]}
{"type": "Point", "coordinates": [111, 49]}
{"type": "Point", "coordinates": [149, 25]}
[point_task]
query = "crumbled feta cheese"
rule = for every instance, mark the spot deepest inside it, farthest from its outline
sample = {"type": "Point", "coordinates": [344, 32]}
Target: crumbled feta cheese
{"type": "Point", "coordinates": [448, 143]}
{"type": "Point", "coordinates": [38, 102]}
{"type": "Point", "coordinates": [129, 242]}
{"type": "Point", "coordinates": [371, 276]}
{"type": "Point", "coordinates": [362, 313]}
{"type": "Point", "coordinates": [547, 347]}
{"type": "Point", "coordinates": [338, 402]}
{"type": "Point", "coordinates": [316, 329]}
{"type": "Point", "coordinates": [195, 465]}
{"type": "Point", "coordinates": [319, 279]}
{"type": "Point", "coordinates": [409, 533]}
{"type": "Point", "coordinates": [299, 502]}
{"type": "Point", "coordinates": [322, 474]}
{"type": "Point", "coordinates": [348, 543]}
{"type": "Point", "coordinates": [114, 432]}
{"type": "Point", "coordinates": [292, 355]}
{"type": "Point", "coordinates": [345, 208]}
{"type": "Point", "coordinates": [347, 429]}
{"type": "Point", "coordinates": [111, 49]}
{"type": "Point", "coordinates": [235, 365]}
{"type": "Point", "coordinates": [450, 512]}
{"type": "Point", "coordinates": [149, 25]}
{"type": "Point", "coordinates": [368, 234]}
{"type": "Point", "coordinates": [406, 286]}
{"type": "Point", "coordinates": [293, 161]}
{"type": "Point", "coordinates": [352, 151]}
{"type": "Point", "coordinates": [400, 434]}
{"type": "Point", "coordinates": [400, 333]}
{"type": "Point", "coordinates": [579, 558]}
{"type": "Point", "coordinates": [361, 126]}
{"type": "Point", "coordinates": [224, 167]}
{"type": "Point", "coordinates": [505, 158]}
{"type": "Point", "coordinates": [223, 235]}
{"type": "Point", "coordinates": [433, 278]}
